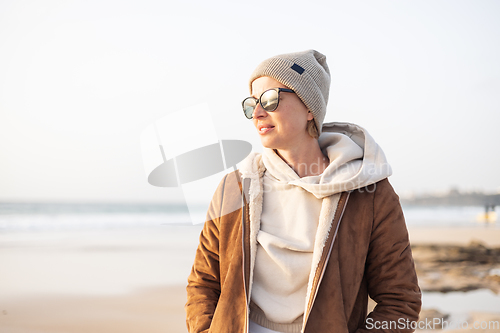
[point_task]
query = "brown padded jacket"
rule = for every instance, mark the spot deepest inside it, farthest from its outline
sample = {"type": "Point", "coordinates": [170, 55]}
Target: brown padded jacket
{"type": "Point", "coordinates": [367, 253]}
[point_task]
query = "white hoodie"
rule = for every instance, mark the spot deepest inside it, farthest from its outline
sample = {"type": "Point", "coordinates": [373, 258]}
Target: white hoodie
{"type": "Point", "coordinates": [296, 217]}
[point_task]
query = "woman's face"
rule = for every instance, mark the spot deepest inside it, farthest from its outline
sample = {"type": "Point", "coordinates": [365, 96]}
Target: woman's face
{"type": "Point", "coordinates": [285, 127]}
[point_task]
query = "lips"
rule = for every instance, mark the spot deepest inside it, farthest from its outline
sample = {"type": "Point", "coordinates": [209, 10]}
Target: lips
{"type": "Point", "coordinates": [263, 129]}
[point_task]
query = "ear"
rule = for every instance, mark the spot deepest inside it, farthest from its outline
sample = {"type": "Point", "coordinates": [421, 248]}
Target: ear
{"type": "Point", "coordinates": [310, 115]}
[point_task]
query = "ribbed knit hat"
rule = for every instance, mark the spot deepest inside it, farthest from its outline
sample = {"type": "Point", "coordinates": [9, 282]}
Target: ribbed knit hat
{"type": "Point", "coordinates": [306, 73]}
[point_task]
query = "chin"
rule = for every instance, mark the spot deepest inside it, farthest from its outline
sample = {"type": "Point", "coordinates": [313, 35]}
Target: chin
{"type": "Point", "coordinates": [267, 143]}
{"type": "Point", "coordinates": [273, 146]}
{"type": "Point", "coordinates": [267, 146]}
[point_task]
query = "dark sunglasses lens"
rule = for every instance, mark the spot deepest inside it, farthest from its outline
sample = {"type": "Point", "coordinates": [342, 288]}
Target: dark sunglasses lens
{"type": "Point", "coordinates": [248, 106]}
{"type": "Point", "coordinates": [269, 100]}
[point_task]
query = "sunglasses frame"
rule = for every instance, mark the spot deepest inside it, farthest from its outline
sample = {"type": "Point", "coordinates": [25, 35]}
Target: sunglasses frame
{"type": "Point", "coordinates": [258, 101]}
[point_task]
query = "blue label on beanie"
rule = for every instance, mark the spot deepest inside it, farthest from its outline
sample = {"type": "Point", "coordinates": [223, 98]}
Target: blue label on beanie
{"type": "Point", "coordinates": [297, 68]}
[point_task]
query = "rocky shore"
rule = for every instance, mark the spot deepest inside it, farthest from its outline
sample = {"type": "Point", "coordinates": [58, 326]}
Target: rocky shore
{"type": "Point", "coordinates": [447, 268]}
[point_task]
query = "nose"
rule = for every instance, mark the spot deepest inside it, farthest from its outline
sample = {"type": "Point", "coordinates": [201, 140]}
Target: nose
{"type": "Point", "coordinates": [259, 112]}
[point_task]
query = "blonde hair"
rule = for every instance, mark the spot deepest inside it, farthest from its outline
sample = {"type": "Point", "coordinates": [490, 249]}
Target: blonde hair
{"type": "Point", "coordinates": [312, 129]}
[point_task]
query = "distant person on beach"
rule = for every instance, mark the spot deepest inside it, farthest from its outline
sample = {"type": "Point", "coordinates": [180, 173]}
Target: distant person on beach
{"type": "Point", "coordinates": [319, 230]}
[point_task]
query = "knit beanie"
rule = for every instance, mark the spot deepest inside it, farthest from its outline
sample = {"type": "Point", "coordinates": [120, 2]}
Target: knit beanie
{"type": "Point", "coordinates": [306, 73]}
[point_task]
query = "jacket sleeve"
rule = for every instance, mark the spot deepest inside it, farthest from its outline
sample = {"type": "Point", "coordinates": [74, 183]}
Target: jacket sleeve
{"type": "Point", "coordinates": [203, 289]}
{"type": "Point", "coordinates": [390, 270]}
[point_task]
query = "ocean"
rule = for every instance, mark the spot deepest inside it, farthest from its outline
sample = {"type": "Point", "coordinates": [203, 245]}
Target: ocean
{"type": "Point", "coordinates": [89, 216]}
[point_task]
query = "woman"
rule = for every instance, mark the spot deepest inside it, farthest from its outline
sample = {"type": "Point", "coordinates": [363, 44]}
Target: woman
{"type": "Point", "coordinates": [319, 230]}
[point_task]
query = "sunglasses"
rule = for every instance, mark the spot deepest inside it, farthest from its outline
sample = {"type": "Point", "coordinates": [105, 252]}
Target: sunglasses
{"type": "Point", "coordinates": [269, 101]}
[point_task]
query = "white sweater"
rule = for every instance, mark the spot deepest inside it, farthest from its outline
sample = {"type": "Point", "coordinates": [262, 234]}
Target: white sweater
{"type": "Point", "coordinates": [289, 222]}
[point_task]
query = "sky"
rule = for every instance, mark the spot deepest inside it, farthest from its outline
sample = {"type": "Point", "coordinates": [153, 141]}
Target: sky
{"type": "Point", "coordinates": [81, 80]}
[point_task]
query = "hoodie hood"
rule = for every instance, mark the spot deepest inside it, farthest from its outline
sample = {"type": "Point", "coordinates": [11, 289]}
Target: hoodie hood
{"type": "Point", "coordinates": [356, 161]}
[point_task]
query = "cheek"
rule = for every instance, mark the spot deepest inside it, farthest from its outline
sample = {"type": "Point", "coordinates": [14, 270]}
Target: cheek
{"type": "Point", "coordinates": [298, 121]}
{"type": "Point", "coordinates": [297, 116]}
{"type": "Point", "coordinates": [293, 127]}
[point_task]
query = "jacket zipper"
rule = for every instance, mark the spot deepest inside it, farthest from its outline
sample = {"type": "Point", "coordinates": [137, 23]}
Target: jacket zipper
{"type": "Point", "coordinates": [324, 259]}
{"type": "Point", "coordinates": [245, 229]}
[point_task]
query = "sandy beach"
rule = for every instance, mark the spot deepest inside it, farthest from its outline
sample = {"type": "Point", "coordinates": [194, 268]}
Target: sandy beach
{"type": "Point", "coordinates": [489, 235]}
{"type": "Point", "coordinates": [95, 281]}
{"type": "Point", "coordinates": [115, 284]}
{"type": "Point", "coordinates": [150, 310]}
